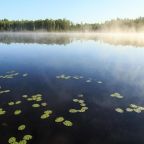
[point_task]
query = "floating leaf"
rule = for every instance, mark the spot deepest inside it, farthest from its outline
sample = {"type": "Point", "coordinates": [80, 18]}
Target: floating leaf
{"type": "Point", "coordinates": [35, 105]}
{"type": "Point", "coordinates": [133, 106]}
{"type": "Point", "coordinates": [18, 102]}
{"type": "Point", "coordinates": [27, 137]}
{"type": "Point", "coordinates": [44, 104]}
{"type": "Point", "coordinates": [44, 116]}
{"type": "Point", "coordinates": [21, 127]}
{"type": "Point", "coordinates": [23, 142]}
{"type": "Point", "coordinates": [2, 112]}
{"type": "Point", "coordinates": [48, 112]}
{"type": "Point", "coordinates": [129, 109]}
{"type": "Point", "coordinates": [59, 119]}
{"type": "Point", "coordinates": [119, 110]}
{"type": "Point", "coordinates": [137, 110]}
{"type": "Point", "coordinates": [25, 96]}
{"type": "Point", "coordinates": [11, 103]}
{"type": "Point", "coordinates": [17, 112]}
{"type": "Point", "coordinates": [73, 111]}
{"type": "Point", "coordinates": [75, 100]}
{"type": "Point", "coordinates": [68, 123]}
{"type": "Point", "coordinates": [12, 140]}
{"type": "Point", "coordinates": [117, 95]}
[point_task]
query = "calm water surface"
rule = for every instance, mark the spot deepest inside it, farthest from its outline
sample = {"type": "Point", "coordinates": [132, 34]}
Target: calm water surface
{"type": "Point", "coordinates": [118, 66]}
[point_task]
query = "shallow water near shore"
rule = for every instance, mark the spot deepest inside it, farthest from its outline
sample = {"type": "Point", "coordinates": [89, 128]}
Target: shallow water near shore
{"type": "Point", "coordinates": [89, 82]}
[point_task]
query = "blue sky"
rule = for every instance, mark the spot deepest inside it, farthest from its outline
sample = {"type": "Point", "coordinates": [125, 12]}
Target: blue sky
{"type": "Point", "coordinates": [75, 10]}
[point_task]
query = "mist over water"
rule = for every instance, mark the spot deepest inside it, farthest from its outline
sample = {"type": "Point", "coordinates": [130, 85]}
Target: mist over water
{"type": "Point", "coordinates": [123, 39]}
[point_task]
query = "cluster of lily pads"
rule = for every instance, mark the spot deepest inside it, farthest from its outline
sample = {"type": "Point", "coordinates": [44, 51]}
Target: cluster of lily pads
{"type": "Point", "coordinates": [82, 104]}
{"type": "Point", "coordinates": [14, 103]}
{"type": "Point", "coordinates": [131, 108]}
{"type": "Point", "coordinates": [135, 108]}
{"type": "Point", "coordinates": [4, 91]}
{"type": "Point", "coordinates": [64, 77]}
{"type": "Point", "coordinates": [37, 97]}
{"type": "Point", "coordinates": [117, 95]}
{"type": "Point", "coordinates": [46, 114]}
{"type": "Point", "coordinates": [65, 122]}
{"type": "Point", "coordinates": [11, 75]}
{"type": "Point", "coordinates": [90, 80]}
{"type": "Point", "coordinates": [26, 138]}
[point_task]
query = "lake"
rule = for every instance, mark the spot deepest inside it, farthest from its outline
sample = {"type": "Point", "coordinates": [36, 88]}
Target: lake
{"type": "Point", "coordinates": [71, 88]}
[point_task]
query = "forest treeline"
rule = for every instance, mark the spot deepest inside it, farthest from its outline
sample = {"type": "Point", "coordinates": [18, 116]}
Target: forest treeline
{"type": "Point", "coordinates": [50, 25]}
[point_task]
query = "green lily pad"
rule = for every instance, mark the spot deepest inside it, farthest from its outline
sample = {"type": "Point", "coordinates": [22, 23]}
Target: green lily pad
{"type": "Point", "coordinates": [129, 110]}
{"type": "Point", "coordinates": [137, 110]}
{"type": "Point", "coordinates": [2, 112]}
{"type": "Point", "coordinates": [23, 142]}
{"type": "Point", "coordinates": [68, 123]}
{"type": "Point", "coordinates": [75, 100]}
{"type": "Point", "coordinates": [117, 95]}
{"type": "Point", "coordinates": [21, 127]}
{"type": "Point", "coordinates": [44, 116]}
{"type": "Point", "coordinates": [73, 111]}
{"type": "Point", "coordinates": [44, 104]}
{"type": "Point", "coordinates": [35, 105]}
{"type": "Point", "coordinates": [11, 103]}
{"type": "Point", "coordinates": [119, 110]}
{"type": "Point", "coordinates": [133, 106]}
{"type": "Point", "coordinates": [25, 96]}
{"type": "Point", "coordinates": [12, 140]}
{"type": "Point", "coordinates": [18, 102]}
{"type": "Point", "coordinates": [17, 112]}
{"type": "Point", "coordinates": [27, 137]}
{"type": "Point", "coordinates": [59, 119]}
{"type": "Point", "coordinates": [48, 112]}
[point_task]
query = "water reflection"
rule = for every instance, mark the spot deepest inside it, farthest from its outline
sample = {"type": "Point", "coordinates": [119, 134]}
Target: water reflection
{"type": "Point", "coordinates": [120, 69]}
{"type": "Point", "coordinates": [131, 39]}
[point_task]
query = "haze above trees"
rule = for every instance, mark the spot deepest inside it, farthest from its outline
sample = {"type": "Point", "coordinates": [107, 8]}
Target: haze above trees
{"type": "Point", "coordinates": [64, 25]}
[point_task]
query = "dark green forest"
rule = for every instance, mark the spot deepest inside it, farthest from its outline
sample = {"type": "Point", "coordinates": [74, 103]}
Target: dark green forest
{"type": "Point", "coordinates": [63, 25]}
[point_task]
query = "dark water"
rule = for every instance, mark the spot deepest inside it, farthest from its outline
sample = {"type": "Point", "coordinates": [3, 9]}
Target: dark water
{"type": "Point", "coordinates": [119, 68]}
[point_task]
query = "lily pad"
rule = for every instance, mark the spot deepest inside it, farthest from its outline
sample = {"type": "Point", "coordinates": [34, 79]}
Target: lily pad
{"type": "Point", "coordinates": [25, 96]}
{"type": "Point", "coordinates": [119, 110]}
{"type": "Point", "coordinates": [67, 123]}
{"type": "Point", "coordinates": [12, 140]}
{"type": "Point", "coordinates": [35, 105]}
{"type": "Point", "coordinates": [44, 104]}
{"type": "Point", "coordinates": [11, 103]}
{"type": "Point", "coordinates": [44, 116]}
{"type": "Point", "coordinates": [59, 119]}
{"type": "Point", "coordinates": [17, 112]}
{"type": "Point", "coordinates": [18, 102]}
{"type": "Point", "coordinates": [23, 142]}
{"type": "Point", "coordinates": [27, 137]}
{"type": "Point", "coordinates": [73, 111]}
{"type": "Point", "coordinates": [21, 127]}
{"type": "Point", "coordinates": [48, 112]}
{"type": "Point", "coordinates": [129, 110]}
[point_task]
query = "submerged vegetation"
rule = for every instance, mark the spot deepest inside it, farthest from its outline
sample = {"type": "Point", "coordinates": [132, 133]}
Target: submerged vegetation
{"type": "Point", "coordinates": [50, 25]}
